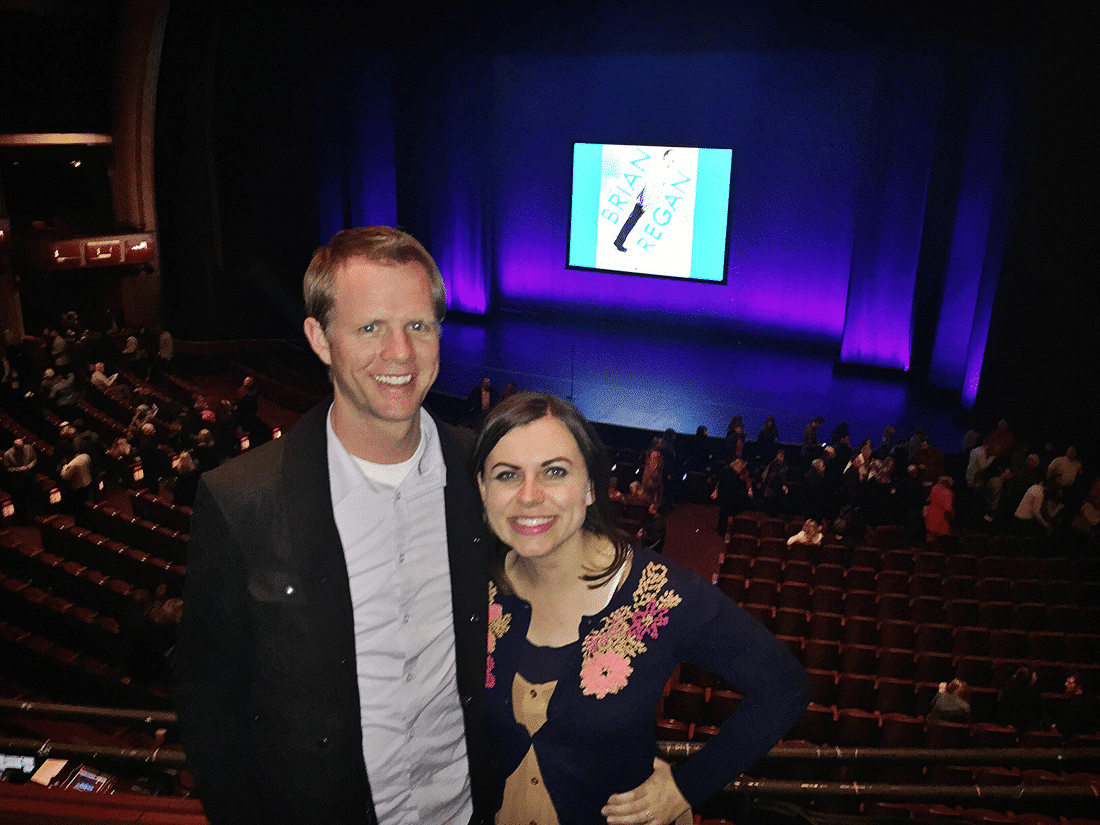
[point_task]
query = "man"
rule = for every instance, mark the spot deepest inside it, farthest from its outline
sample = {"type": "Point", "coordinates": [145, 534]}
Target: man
{"type": "Point", "coordinates": [650, 195]}
{"type": "Point", "coordinates": [19, 462]}
{"type": "Point", "coordinates": [1064, 469]}
{"type": "Point", "coordinates": [100, 380]}
{"type": "Point", "coordinates": [332, 647]}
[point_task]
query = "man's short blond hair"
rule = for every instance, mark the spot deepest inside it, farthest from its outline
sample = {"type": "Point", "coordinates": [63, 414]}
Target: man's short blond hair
{"type": "Point", "coordinates": [382, 244]}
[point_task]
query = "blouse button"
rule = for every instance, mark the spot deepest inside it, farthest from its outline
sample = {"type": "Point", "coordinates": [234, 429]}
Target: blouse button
{"type": "Point", "coordinates": [534, 693]}
{"type": "Point", "coordinates": [534, 780]}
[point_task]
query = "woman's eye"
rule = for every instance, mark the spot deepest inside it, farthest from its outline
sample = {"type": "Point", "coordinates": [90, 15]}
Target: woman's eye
{"type": "Point", "coordinates": [505, 475]}
{"type": "Point", "coordinates": [557, 472]}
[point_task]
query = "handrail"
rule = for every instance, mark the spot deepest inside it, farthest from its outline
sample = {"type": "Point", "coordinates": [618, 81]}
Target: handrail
{"type": "Point", "coordinates": [678, 751]}
{"type": "Point", "coordinates": [161, 757]}
{"type": "Point", "coordinates": [88, 713]}
{"type": "Point", "coordinates": [794, 789]}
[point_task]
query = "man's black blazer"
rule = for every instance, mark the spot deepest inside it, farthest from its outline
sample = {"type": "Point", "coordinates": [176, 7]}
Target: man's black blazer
{"type": "Point", "coordinates": [265, 683]}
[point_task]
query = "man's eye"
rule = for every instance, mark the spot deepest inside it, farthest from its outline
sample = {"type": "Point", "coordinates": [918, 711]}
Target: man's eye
{"type": "Point", "coordinates": [369, 328]}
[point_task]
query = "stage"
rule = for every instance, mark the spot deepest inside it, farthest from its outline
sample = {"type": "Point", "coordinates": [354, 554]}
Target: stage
{"type": "Point", "coordinates": [653, 378]}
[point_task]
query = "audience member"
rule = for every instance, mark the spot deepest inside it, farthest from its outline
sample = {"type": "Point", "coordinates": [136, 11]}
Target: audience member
{"type": "Point", "coordinates": [1064, 469]}
{"type": "Point", "coordinates": [773, 484]}
{"type": "Point", "coordinates": [951, 703]}
{"type": "Point", "coordinates": [767, 442]}
{"type": "Point", "coordinates": [811, 442]}
{"type": "Point", "coordinates": [77, 483]}
{"type": "Point", "coordinates": [939, 513]}
{"type": "Point", "coordinates": [1029, 516]}
{"type": "Point", "coordinates": [186, 482]}
{"type": "Point", "coordinates": [733, 493]}
{"type": "Point", "coordinates": [809, 534]}
{"type": "Point", "coordinates": [100, 380]}
{"type": "Point", "coordinates": [1075, 712]}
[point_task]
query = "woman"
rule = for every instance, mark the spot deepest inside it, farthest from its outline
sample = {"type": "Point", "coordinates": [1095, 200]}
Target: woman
{"type": "Point", "coordinates": [767, 443]}
{"type": "Point", "coordinates": [939, 515]}
{"type": "Point", "coordinates": [585, 631]}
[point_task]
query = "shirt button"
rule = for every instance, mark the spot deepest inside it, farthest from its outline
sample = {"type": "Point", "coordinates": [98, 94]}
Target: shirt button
{"type": "Point", "coordinates": [405, 618]}
{"type": "Point", "coordinates": [289, 590]}
{"type": "Point", "coordinates": [322, 742]}
{"type": "Point", "coordinates": [408, 677]}
{"type": "Point", "coordinates": [474, 618]}
{"type": "Point", "coordinates": [401, 557]}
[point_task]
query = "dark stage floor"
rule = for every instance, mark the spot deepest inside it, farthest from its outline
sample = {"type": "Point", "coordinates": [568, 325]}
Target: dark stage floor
{"type": "Point", "coordinates": [654, 378]}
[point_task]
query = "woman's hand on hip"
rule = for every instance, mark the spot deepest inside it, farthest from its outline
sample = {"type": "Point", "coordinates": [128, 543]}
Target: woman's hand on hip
{"type": "Point", "coordinates": [657, 801]}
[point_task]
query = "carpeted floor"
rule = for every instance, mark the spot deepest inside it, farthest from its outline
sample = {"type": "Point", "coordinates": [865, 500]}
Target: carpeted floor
{"type": "Point", "coordinates": [690, 539]}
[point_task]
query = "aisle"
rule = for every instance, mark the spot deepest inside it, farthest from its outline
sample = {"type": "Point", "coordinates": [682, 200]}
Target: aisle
{"type": "Point", "coordinates": [690, 539]}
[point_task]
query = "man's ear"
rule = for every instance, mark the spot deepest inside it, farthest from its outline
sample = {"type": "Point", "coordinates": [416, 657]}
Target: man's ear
{"type": "Point", "coordinates": [315, 334]}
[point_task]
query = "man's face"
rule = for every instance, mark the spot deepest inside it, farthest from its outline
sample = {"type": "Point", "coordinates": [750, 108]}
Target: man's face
{"type": "Point", "coordinates": [382, 344]}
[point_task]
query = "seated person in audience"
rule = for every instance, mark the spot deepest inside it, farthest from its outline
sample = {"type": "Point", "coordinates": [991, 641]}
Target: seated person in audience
{"type": "Point", "coordinates": [1020, 704]}
{"type": "Point", "coordinates": [1088, 517]}
{"type": "Point", "coordinates": [143, 415]}
{"type": "Point", "coordinates": [809, 534]}
{"type": "Point", "coordinates": [613, 489]}
{"type": "Point", "coordinates": [635, 495]}
{"type": "Point", "coordinates": [63, 395]}
{"type": "Point", "coordinates": [950, 704]}
{"type": "Point", "coordinates": [1075, 712]}
{"type": "Point", "coordinates": [100, 380]}
{"type": "Point", "coordinates": [1064, 469]}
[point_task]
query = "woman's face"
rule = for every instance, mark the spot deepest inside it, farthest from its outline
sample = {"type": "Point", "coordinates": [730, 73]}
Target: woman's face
{"type": "Point", "coordinates": [536, 489]}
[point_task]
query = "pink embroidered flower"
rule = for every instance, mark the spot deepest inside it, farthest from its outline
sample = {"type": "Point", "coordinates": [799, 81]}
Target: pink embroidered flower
{"type": "Point", "coordinates": [604, 673]}
{"type": "Point", "coordinates": [646, 621]}
{"type": "Point", "coordinates": [490, 679]}
{"type": "Point", "coordinates": [495, 611]}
